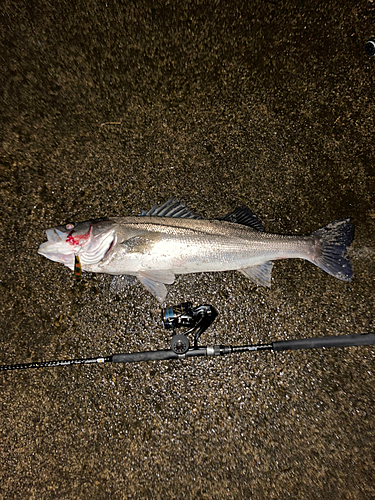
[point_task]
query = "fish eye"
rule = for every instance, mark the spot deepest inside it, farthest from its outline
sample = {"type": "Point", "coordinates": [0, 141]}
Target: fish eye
{"type": "Point", "coordinates": [70, 226]}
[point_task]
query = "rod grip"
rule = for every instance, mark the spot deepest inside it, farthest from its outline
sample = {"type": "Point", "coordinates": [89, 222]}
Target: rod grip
{"type": "Point", "coordinates": [135, 357]}
{"type": "Point", "coordinates": [358, 339]}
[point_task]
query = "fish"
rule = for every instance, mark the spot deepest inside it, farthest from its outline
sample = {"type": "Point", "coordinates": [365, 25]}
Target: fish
{"type": "Point", "coordinates": [172, 239]}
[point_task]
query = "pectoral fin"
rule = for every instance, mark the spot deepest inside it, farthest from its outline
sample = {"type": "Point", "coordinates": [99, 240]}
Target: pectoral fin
{"type": "Point", "coordinates": [154, 282]}
{"type": "Point", "coordinates": [260, 275]}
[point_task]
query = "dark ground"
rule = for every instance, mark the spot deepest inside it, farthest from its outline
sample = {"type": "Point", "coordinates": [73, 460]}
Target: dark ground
{"type": "Point", "coordinates": [108, 108]}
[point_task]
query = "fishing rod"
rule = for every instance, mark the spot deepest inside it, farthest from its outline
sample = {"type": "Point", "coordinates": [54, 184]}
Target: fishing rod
{"type": "Point", "coordinates": [199, 319]}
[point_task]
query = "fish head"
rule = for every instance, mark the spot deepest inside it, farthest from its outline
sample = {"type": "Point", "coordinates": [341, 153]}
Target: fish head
{"type": "Point", "coordinates": [90, 240]}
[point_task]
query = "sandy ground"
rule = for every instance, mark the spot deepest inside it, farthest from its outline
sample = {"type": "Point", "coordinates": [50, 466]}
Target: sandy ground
{"type": "Point", "coordinates": [108, 108]}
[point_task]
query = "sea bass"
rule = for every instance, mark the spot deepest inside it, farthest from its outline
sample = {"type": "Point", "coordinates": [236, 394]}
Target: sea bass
{"type": "Point", "coordinates": [172, 239]}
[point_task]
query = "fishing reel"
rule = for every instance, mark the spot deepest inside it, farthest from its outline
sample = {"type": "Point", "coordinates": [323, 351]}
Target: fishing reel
{"type": "Point", "coordinates": [185, 315]}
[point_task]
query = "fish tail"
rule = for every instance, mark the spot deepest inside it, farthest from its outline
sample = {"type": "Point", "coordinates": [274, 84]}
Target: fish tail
{"type": "Point", "coordinates": [331, 249]}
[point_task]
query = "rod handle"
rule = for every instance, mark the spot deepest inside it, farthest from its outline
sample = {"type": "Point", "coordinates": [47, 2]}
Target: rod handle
{"type": "Point", "coordinates": [135, 357]}
{"type": "Point", "coordinates": [358, 339]}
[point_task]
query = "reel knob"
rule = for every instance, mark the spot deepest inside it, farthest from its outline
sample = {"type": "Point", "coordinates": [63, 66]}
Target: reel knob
{"type": "Point", "coordinates": [180, 344]}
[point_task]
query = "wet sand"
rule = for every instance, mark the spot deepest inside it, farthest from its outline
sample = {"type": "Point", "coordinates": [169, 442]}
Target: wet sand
{"type": "Point", "coordinates": [107, 109]}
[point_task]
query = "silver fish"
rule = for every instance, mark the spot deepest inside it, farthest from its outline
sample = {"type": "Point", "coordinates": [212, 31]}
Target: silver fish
{"type": "Point", "coordinates": [172, 239]}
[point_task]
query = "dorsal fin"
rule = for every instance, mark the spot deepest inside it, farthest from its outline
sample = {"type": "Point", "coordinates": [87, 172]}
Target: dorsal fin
{"type": "Point", "coordinates": [171, 208]}
{"type": "Point", "coordinates": [244, 216]}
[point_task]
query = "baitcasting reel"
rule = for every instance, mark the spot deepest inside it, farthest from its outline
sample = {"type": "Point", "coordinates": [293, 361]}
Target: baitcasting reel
{"type": "Point", "coordinates": [185, 315]}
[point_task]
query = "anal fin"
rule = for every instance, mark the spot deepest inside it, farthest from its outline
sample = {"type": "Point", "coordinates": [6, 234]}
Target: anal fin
{"type": "Point", "coordinates": [260, 275]}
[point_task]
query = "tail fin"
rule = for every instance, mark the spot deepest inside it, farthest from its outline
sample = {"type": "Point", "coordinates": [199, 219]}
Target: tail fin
{"type": "Point", "coordinates": [331, 249]}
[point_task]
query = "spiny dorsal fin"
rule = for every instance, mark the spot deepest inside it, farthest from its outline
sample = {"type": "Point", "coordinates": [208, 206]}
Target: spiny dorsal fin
{"type": "Point", "coordinates": [244, 216]}
{"type": "Point", "coordinates": [171, 208]}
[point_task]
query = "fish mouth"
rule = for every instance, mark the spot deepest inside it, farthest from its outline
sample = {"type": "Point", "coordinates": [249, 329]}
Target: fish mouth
{"type": "Point", "coordinates": [55, 248]}
{"type": "Point", "coordinates": [55, 236]}
{"type": "Point", "coordinates": [58, 249]}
